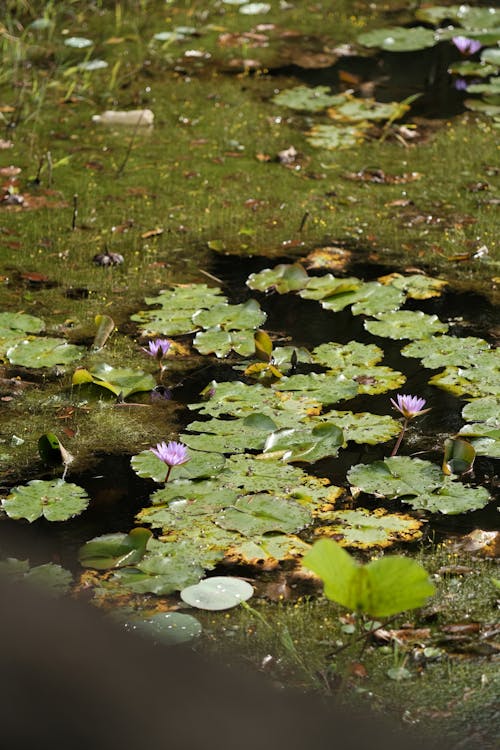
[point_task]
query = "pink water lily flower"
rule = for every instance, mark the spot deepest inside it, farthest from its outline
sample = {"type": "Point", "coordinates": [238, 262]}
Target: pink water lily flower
{"type": "Point", "coordinates": [158, 348]}
{"type": "Point", "coordinates": [409, 406]}
{"type": "Point", "coordinates": [465, 45]}
{"type": "Point", "coordinates": [172, 453]}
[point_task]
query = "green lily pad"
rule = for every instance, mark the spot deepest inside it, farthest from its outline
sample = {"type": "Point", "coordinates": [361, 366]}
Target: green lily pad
{"type": "Point", "coordinates": [325, 388]}
{"type": "Point", "coordinates": [321, 287]}
{"type": "Point", "coordinates": [44, 352]}
{"type": "Point", "coordinates": [10, 322]}
{"type": "Point", "coordinates": [467, 16]}
{"type": "Point", "coordinates": [416, 286]}
{"type": "Point", "coordinates": [52, 578]}
{"type": "Point", "coordinates": [364, 529]}
{"type": "Point", "coordinates": [483, 410]}
{"type": "Point", "coordinates": [441, 351]}
{"type": "Point", "coordinates": [282, 356]}
{"type": "Point", "coordinates": [200, 465]}
{"type": "Point", "coordinates": [55, 500]}
{"type": "Point", "coordinates": [486, 106]}
{"type": "Point", "coordinates": [230, 435]}
{"type": "Point", "coordinates": [451, 498]}
{"type": "Point", "coordinates": [283, 279]}
{"type": "Point", "coordinates": [338, 356]}
{"type": "Point", "coordinates": [217, 593]}
{"type": "Point", "coordinates": [375, 298]}
{"type": "Point", "coordinates": [305, 444]}
{"type": "Point", "coordinates": [267, 551]}
{"type": "Point", "coordinates": [114, 550]}
{"type": "Point", "coordinates": [220, 342]}
{"type": "Point", "coordinates": [167, 627]}
{"type": "Point", "coordinates": [248, 315]}
{"type": "Point", "coordinates": [360, 110]}
{"type": "Point", "coordinates": [364, 427]}
{"type": "Point", "coordinates": [199, 496]}
{"type": "Point", "coordinates": [381, 588]}
{"type": "Point", "coordinates": [335, 137]}
{"type": "Point", "coordinates": [122, 381]}
{"type": "Point", "coordinates": [160, 574]}
{"type": "Point", "coordinates": [478, 380]}
{"type": "Point", "coordinates": [263, 513]}
{"type": "Point", "coordinates": [307, 99]}
{"type": "Point", "coordinates": [396, 477]}
{"type": "Point", "coordinates": [484, 432]}
{"type": "Point", "coordinates": [478, 69]}
{"type": "Point", "coordinates": [405, 324]}
{"type": "Point", "coordinates": [398, 39]}
{"type": "Point", "coordinates": [177, 307]}
{"type": "Point", "coordinates": [491, 56]}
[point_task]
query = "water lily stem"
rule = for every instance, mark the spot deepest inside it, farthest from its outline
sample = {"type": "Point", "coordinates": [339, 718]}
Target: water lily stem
{"type": "Point", "coordinates": [168, 474]}
{"type": "Point", "coordinates": [400, 438]}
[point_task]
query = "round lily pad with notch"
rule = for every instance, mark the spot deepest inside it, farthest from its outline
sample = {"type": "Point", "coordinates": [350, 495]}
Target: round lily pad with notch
{"type": "Point", "coordinates": [483, 410]}
{"type": "Point", "coordinates": [338, 356]}
{"type": "Point", "coordinates": [55, 500]}
{"type": "Point", "coordinates": [247, 315]}
{"type": "Point", "coordinates": [217, 593]}
{"type": "Point", "coordinates": [442, 351]}
{"type": "Point", "coordinates": [201, 464]}
{"type": "Point", "coordinates": [44, 352]}
{"type": "Point", "coordinates": [416, 286]}
{"type": "Point", "coordinates": [283, 278]}
{"type": "Point", "coordinates": [20, 322]}
{"type": "Point", "coordinates": [266, 552]}
{"type": "Point", "coordinates": [323, 387]}
{"type": "Point", "coordinates": [451, 498]}
{"type": "Point", "coordinates": [263, 513]}
{"type": "Point", "coordinates": [397, 476]}
{"type": "Point", "coordinates": [405, 324]}
{"type": "Point", "coordinates": [177, 306]}
{"type": "Point", "coordinates": [398, 39]}
{"type": "Point", "coordinates": [364, 427]}
{"type": "Point", "coordinates": [200, 495]}
{"type": "Point", "coordinates": [322, 287]}
{"type": "Point", "coordinates": [356, 109]}
{"type": "Point", "coordinates": [166, 627]}
{"type": "Point", "coordinates": [160, 574]}
{"type": "Point", "coordinates": [114, 550]}
{"type": "Point", "coordinates": [478, 380]}
{"type": "Point", "coordinates": [51, 577]}
{"type": "Point", "coordinates": [467, 16]}
{"type": "Point", "coordinates": [230, 435]}
{"type": "Point", "coordinates": [122, 381]}
{"type": "Point", "coordinates": [307, 99]}
{"type": "Point", "coordinates": [364, 529]}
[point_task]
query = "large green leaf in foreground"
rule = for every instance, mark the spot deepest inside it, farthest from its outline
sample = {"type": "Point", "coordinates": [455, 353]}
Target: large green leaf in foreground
{"type": "Point", "coordinates": [382, 588]}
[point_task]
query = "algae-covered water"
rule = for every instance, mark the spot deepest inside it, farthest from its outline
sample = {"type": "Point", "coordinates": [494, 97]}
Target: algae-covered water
{"type": "Point", "coordinates": [310, 219]}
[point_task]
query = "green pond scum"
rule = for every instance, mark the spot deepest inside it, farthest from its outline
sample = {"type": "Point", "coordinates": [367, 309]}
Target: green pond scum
{"type": "Point", "coordinates": [250, 231]}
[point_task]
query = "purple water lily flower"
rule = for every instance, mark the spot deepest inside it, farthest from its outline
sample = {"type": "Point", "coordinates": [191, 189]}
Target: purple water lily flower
{"type": "Point", "coordinates": [409, 406]}
{"type": "Point", "coordinates": [465, 45]}
{"type": "Point", "coordinates": [158, 348]}
{"type": "Point", "coordinates": [172, 454]}
{"type": "Point", "coordinates": [460, 84]}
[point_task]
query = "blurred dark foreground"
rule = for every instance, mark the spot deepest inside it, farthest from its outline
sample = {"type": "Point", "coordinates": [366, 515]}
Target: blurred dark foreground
{"type": "Point", "coordinates": [72, 679]}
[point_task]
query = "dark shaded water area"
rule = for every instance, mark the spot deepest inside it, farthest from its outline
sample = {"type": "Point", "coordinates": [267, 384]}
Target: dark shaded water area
{"type": "Point", "coordinates": [117, 493]}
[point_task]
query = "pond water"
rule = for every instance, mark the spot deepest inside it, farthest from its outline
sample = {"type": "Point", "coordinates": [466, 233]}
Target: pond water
{"type": "Point", "coordinates": [292, 207]}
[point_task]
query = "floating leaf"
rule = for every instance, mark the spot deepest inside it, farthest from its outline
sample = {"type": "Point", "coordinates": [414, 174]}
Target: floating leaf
{"type": "Point", "coordinates": [323, 387]}
{"type": "Point", "coordinates": [491, 56]}
{"type": "Point", "coordinates": [230, 435]}
{"type": "Point", "coordinates": [217, 593]}
{"type": "Point", "coordinates": [221, 342]}
{"type": "Point", "coordinates": [44, 352]}
{"type": "Point", "coordinates": [167, 627]}
{"type": "Point", "coordinates": [467, 16]}
{"type": "Point", "coordinates": [283, 279]}
{"type": "Point", "coordinates": [122, 381]}
{"type": "Point", "coordinates": [338, 356]}
{"type": "Point", "coordinates": [355, 109]}
{"type": "Point", "coordinates": [458, 457]}
{"type": "Point", "coordinates": [238, 399]}
{"type": "Point", "coordinates": [451, 498]}
{"type": "Point", "coordinates": [308, 99]}
{"type": "Point", "coordinates": [201, 464]}
{"type": "Point", "coordinates": [161, 574]}
{"type": "Point", "coordinates": [15, 322]}
{"type": "Point", "coordinates": [231, 317]}
{"type": "Point", "coordinates": [398, 39]}
{"type": "Point", "coordinates": [416, 286]}
{"type": "Point", "coordinates": [198, 496]}
{"type": "Point", "coordinates": [405, 324]}
{"type": "Point", "coordinates": [375, 298]}
{"type": "Point", "coordinates": [479, 379]}
{"type": "Point", "coordinates": [335, 137]}
{"type": "Point", "coordinates": [478, 69]}
{"type": "Point", "coordinates": [51, 577]}
{"type": "Point", "coordinates": [114, 550]}
{"type": "Point", "coordinates": [382, 588]}
{"type": "Point", "coordinates": [305, 444]}
{"type": "Point", "coordinates": [177, 308]}
{"type": "Point", "coordinates": [56, 500]}
{"type": "Point", "coordinates": [364, 529]}
{"type": "Point", "coordinates": [365, 427]}
{"type": "Point", "coordinates": [440, 351]}
{"type": "Point", "coordinates": [483, 410]}
{"type": "Point", "coordinates": [263, 346]}
{"type": "Point", "coordinates": [263, 513]}
{"type": "Point", "coordinates": [268, 551]}
{"type": "Point", "coordinates": [322, 287]}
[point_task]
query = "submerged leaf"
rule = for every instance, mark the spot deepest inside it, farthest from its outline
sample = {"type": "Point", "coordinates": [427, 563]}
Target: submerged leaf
{"type": "Point", "coordinates": [167, 627]}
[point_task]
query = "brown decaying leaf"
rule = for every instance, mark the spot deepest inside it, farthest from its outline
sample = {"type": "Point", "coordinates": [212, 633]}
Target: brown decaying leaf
{"type": "Point", "coordinates": [484, 543]}
{"type": "Point", "coordinates": [403, 635]}
{"type": "Point", "coordinates": [152, 233]}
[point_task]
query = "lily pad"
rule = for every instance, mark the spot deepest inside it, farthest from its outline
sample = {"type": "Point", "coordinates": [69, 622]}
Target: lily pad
{"type": "Point", "coordinates": [355, 109]}
{"type": "Point", "coordinates": [405, 324]}
{"type": "Point", "coordinates": [382, 588]}
{"type": "Point", "coordinates": [396, 477]}
{"type": "Point", "coordinates": [199, 496]}
{"type": "Point", "coordinates": [283, 278]}
{"type": "Point", "coordinates": [398, 39]}
{"type": "Point", "coordinates": [114, 550]}
{"type": "Point", "coordinates": [44, 352]}
{"type": "Point", "coordinates": [364, 427]}
{"type": "Point", "coordinates": [338, 356]}
{"type": "Point", "coordinates": [305, 444]}
{"type": "Point", "coordinates": [177, 306]}
{"type": "Point", "coordinates": [221, 342]}
{"type": "Point", "coordinates": [483, 410]}
{"type": "Point", "coordinates": [307, 98]}
{"type": "Point", "coordinates": [323, 387]}
{"type": "Point", "coordinates": [161, 574]}
{"type": "Point", "coordinates": [52, 578]}
{"type": "Point", "coordinates": [467, 16]}
{"type": "Point", "coordinates": [364, 529]}
{"type": "Point", "coordinates": [263, 513]}
{"type": "Point", "coordinates": [167, 627]}
{"type": "Point", "coordinates": [441, 351]}
{"type": "Point", "coordinates": [491, 56]}
{"type": "Point", "coordinates": [451, 498]}
{"type": "Point", "coordinates": [230, 435]}
{"type": "Point", "coordinates": [478, 380]}
{"type": "Point", "coordinates": [217, 593]}
{"type": "Point", "coordinates": [122, 381]}
{"type": "Point", "coordinates": [267, 552]}
{"type": "Point", "coordinates": [200, 465]}
{"type": "Point", "coordinates": [416, 286]}
{"type": "Point", "coordinates": [17, 322]}
{"type": "Point", "coordinates": [55, 500]}
{"type": "Point", "coordinates": [322, 287]}
{"type": "Point", "coordinates": [335, 137]}
{"type": "Point", "coordinates": [231, 317]}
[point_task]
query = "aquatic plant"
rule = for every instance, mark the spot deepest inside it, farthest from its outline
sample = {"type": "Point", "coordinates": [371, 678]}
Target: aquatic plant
{"type": "Point", "coordinates": [172, 454]}
{"type": "Point", "coordinates": [410, 407]}
{"type": "Point", "coordinates": [465, 45]}
{"type": "Point", "coordinates": [158, 349]}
